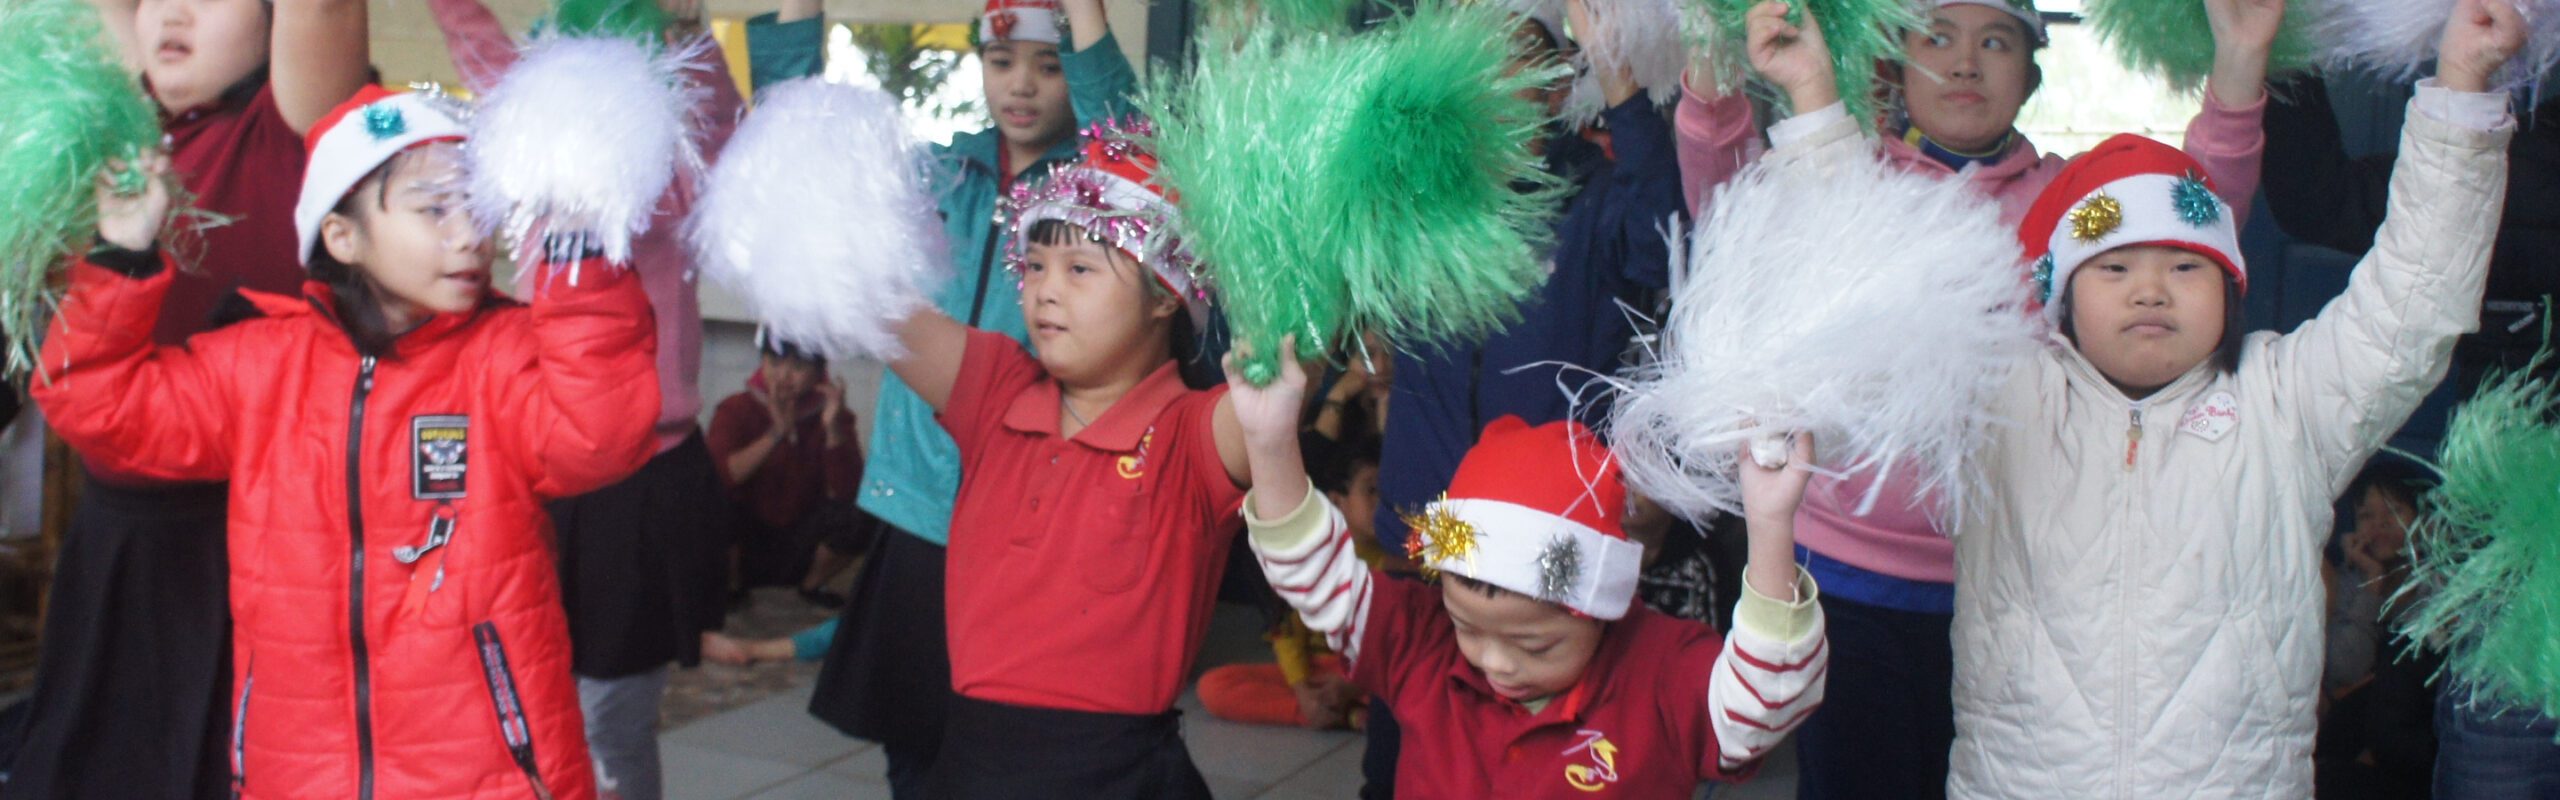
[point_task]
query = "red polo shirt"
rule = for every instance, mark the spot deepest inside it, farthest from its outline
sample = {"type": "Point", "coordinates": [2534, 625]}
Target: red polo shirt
{"type": "Point", "coordinates": [241, 160]}
{"type": "Point", "coordinates": [1081, 570]}
{"type": "Point", "coordinates": [1636, 726]}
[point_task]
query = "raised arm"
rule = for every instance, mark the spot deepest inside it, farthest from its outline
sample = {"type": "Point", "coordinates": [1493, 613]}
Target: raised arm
{"type": "Point", "coordinates": [786, 44]}
{"type": "Point", "coordinates": [586, 398]}
{"type": "Point", "coordinates": [935, 344]}
{"type": "Point", "coordinates": [319, 57]}
{"type": "Point", "coordinates": [1100, 83]}
{"type": "Point", "coordinates": [1770, 673]}
{"type": "Point", "coordinates": [476, 41]}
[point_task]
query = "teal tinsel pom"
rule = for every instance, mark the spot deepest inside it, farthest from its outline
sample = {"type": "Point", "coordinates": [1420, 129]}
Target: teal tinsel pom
{"type": "Point", "coordinates": [2195, 202]}
{"type": "Point", "coordinates": [2044, 279]}
{"type": "Point", "coordinates": [1379, 181]}
{"type": "Point", "coordinates": [640, 20]}
{"type": "Point", "coordinates": [383, 121]}
{"type": "Point", "coordinates": [2173, 39]}
{"type": "Point", "coordinates": [2485, 577]}
{"type": "Point", "coordinates": [1861, 34]}
{"type": "Point", "coordinates": [71, 108]}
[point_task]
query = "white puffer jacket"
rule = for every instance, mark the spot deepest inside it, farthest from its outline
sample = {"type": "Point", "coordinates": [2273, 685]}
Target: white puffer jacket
{"type": "Point", "coordinates": [2138, 603]}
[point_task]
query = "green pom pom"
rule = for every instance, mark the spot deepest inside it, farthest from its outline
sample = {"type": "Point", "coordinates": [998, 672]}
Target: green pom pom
{"type": "Point", "coordinates": [1380, 181]}
{"type": "Point", "coordinates": [1861, 34]}
{"type": "Point", "coordinates": [2173, 39]}
{"type": "Point", "coordinates": [1319, 16]}
{"type": "Point", "coordinates": [72, 108]}
{"type": "Point", "coordinates": [640, 20]}
{"type": "Point", "coordinates": [2485, 578]}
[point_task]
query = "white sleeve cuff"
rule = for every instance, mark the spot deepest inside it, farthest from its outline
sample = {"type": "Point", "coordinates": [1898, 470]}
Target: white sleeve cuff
{"type": "Point", "coordinates": [1796, 128]}
{"type": "Point", "coordinates": [2479, 111]}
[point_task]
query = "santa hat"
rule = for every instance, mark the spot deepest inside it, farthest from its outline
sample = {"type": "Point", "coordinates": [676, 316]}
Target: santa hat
{"type": "Point", "coordinates": [1112, 194]}
{"type": "Point", "coordinates": [1535, 511]}
{"type": "Point", "coordinates": [356, 137]}
{"type": "Point", "coordinates": [2130, 191]}
{"type": "Point", "coordinates": [1021, 20]}
{"type": "Point", "coordinates": [2024, 10]}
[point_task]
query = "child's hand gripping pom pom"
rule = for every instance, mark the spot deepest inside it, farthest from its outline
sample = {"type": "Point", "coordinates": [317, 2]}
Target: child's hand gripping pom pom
{"type": "Point", "coordinates": [582, 136]}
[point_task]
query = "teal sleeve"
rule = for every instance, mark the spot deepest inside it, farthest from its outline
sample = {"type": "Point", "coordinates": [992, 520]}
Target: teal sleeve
{"type": "Point", "coordinates": [781, 51]}
{"type": "Point", "coordinates": [812, 644]}
{"type": "Point", "coordinates": [1100, 82]}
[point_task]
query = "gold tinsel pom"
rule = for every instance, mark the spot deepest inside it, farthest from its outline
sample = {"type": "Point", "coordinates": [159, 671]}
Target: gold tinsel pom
{"type": "Point", "coordinates": [1438, 535]}
{"type": "Point", "coordinates": [2096, 217]}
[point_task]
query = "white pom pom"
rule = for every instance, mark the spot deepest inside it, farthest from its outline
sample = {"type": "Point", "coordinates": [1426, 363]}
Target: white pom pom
{"type": "Point", "coordinates": [1875, 309]}
{"type": "Point", "coordinates": [821, 217]}
{"type": "Point", "coordinates": [2398, 38]}
{"type": "Point", "coordinates": [1639, 36]}
{"type": "Point", "coordinates": [582, 135]}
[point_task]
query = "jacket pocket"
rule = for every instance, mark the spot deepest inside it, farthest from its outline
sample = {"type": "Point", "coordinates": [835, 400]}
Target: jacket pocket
{"type": "Point", "coordinates": [508, 705]}
{"type": "Point", "coordinates": [240, 732]}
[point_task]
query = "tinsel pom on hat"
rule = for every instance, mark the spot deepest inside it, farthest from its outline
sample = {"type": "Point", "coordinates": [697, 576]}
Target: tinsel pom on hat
{"type": "Point", "coordinates": [822, 216]}
{"type": "Point", "coordinates": [1380, 181]}
{"type": "Point", "coordinates": [71, 110]}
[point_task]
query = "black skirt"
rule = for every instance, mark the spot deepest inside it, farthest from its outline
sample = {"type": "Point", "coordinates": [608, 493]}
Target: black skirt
{"type": "Point", "coordinates": [997, 751]}
{"type": "Point", "coordinates": [131, 693]}
{"type": "Point", "coordinates": [887, 677]}
{"type": "Point", "coordinates": [643, 565]}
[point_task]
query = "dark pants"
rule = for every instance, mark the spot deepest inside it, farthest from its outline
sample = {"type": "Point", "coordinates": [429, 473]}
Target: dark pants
{"type": "Point", "coordinates": [1888, 710]}
{"type": "Point", "coordinates": [1378, 762]}
{"type": "Point", "coordinates": [2487, 750]}
{"type": "Point", "coordinates": [887, 677]}
{"type": "Point", "coordinates": [999, 751]}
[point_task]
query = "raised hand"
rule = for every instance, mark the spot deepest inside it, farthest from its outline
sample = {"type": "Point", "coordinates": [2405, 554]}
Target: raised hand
{"type": "Point", "coordinates": [2244, 33]}
{"type": "Point", "coordinates": [2478, 40]}
{"type": "Point", "coordinates": [1770, 497]}
{"type": "Point", "coordinates": [1793, 56]}
{"type": "Point", "coordinates": [130, 215]}
{"type": "Point", "coordinates": [1269, 414]}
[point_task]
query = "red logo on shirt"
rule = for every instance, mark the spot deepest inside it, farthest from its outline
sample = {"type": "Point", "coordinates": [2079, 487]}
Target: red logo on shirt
{"type": "Point", "coordinates": [1603, 769]}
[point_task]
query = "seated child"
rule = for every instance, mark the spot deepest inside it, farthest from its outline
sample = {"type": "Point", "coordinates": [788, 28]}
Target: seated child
{"type": "Point", "coordinates": [2138, 598]}
{"type": "Point", "coordinates": [1306, 686]}
{"type": "Point", "coordinates": [1528, 671]}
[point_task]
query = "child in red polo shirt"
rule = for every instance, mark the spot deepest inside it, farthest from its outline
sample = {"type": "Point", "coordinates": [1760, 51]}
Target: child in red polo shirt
{"type": "Point", "coordinates": [1097, 500]}
{"type": "Point", "coordinates": [1528, 671]}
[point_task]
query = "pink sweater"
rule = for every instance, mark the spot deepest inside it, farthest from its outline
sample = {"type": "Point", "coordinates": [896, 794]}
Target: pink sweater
{"type": "Point", "coordinates": [1899, 537]}
{"type": "Point", "coordinates": [482, 51]}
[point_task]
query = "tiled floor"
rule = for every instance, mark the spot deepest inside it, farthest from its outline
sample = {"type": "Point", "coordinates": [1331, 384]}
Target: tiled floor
{"type": "Point", "coordinates": [772, 749]}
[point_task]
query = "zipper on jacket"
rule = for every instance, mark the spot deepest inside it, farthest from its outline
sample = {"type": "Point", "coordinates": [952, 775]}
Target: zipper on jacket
{"type": "Point", "coordinates": [240, 733]}
{"type": "Point", "coordinates": [986, 260]}
{"type": "Point", "coordinates": [355, 580]}
{"type": "Point", "coordinates": [2132, 435]}
{"type": "Point", "coordinates": [513, 727]}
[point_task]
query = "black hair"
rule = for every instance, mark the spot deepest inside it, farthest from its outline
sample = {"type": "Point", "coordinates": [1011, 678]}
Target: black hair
{"type": "Point", "coordinates": [1480, 587]}
{"type": "Point", "coordinates": [2226, 354]}
{"type": "Point", "coordinates": [359, 300]}
{"type": "Point", "coordinates": [1185, 335]}
{"type": "Point", "coordinates": [1331, 464]}
{"type": "Point", "coordinates": [2394, 476]}
{"type": "Point", "coordinates": [775, 348]}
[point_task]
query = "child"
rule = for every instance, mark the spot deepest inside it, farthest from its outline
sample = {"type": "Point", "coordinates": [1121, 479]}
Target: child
{"type": "Point", "coordinates": [1890, 573]}
{"type": "Point", "coordinates": [1050, 67]}
{"type": "Point", "coordinates": [787, 451]}
{"type": "Point", "coordinates": [237, 83]}
{"type": "Point", "coordinates": [1097, 499]}
{"type": "Point", "coordinates": [389, 436]}
{"type": "Point", "coordinates": [1306, 685]}
{"type": "Point", "coordinates": [2138, 607]}
{"type": "Point", "coordinates": [1526, 673]}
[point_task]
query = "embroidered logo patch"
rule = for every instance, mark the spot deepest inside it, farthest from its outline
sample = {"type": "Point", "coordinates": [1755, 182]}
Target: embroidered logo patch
{"type": "Point", "coordinates": [1602, 769]}
{"type": "Point", "coordinates": [1133, 467]}
{"type": "Point", "coordinates": [439, 455]}
{"type": "Point", "coordinates": [2212, 419]}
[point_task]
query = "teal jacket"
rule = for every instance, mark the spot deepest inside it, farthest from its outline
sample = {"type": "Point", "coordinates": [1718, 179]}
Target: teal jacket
{"type": "Point", "coordinates": [913, 470]}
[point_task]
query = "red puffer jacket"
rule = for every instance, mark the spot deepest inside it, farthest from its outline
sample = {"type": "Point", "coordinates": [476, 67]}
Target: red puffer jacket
{"type": "Point", "coordinates": [412, 644]}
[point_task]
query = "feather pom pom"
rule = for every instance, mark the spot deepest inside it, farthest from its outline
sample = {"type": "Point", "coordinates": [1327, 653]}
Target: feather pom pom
{"type": "Point", "coordinates": [821, 216]}
{"type": "Point", "coordinates": [2485, 579]}
{"type": "Point", "coordinates": [2398, 38]}
{"type": "Point", "coordinates": [1874, 308]}
{"type": "Point", "coordinates": [71, 110]}
{"type": "Point", "coordinates": [1331, 184]}
{"type": "Point", "coordinates": [1641, 37]}
{"type": "Point", "coordinates": [2173, 39]}
{"type": "Point", "coordinates": [1861, 34]}
{"type": "Point", "coordinates": [582, 135]}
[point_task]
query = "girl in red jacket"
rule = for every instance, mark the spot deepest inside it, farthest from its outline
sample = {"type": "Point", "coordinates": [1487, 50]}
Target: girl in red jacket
{"type": "Point", "coordinates": [389, 437]}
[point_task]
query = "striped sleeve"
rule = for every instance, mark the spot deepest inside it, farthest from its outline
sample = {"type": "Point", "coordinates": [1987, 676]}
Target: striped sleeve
{"type": "Point", "coordinates": [1769, 677]}
{"type": "Point", "coordinates": [1309, 559]}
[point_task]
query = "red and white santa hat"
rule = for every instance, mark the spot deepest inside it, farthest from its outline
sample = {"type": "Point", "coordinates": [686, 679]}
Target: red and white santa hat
{"type": "Point", "coordinates": [1021, 20]}
{"type": "Point", "coordinates": [2130, 191]}
{"type": "Point", "coordinates": [356, 137]}
{"type": "Point", "coordinates": [1536, 511]}
{"type": "Point", "coordinates": [2024, 10]}
{"type": "Point", "coordinates": [1112, 193]}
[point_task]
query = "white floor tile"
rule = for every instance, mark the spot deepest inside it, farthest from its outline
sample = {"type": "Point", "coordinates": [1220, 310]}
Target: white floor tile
{"type": "Point", "coordinates": [694, 773]}
{"type": "Point", "coordinates": [778, 728]}
{"type": "Point", "coordinates": [825, 786]}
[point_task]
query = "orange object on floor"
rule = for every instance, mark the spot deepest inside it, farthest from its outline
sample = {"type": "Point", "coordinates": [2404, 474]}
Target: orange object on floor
{"type": "Point", "coordinates": [1257, 693]}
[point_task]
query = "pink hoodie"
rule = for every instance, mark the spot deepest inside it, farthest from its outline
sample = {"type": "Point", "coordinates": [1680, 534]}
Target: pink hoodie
{"type": "Point", "coordinates": [1899, 538]}
{"type": "Point", "coordinates": [482, 51]}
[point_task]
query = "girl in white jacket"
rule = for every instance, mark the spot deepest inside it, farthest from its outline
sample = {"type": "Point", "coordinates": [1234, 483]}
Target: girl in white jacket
{"type": "Point", "coordinates": [2138, 602]}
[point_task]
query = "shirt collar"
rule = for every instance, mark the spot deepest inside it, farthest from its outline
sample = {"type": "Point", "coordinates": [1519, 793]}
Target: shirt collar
{"type": "Point", "coordinates": [1591, 690]}
{"type": "Point", "coordinates": [1120, 428]}
{"type": "Point", "coordinates": [1955, 159]}
{"type": "Point", "coordinates": [232, 99]}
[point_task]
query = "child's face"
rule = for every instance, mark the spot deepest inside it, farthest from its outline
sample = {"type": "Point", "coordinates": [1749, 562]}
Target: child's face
{"type": "Point", "coordinates": [2382, 520]}
{"type": "Point", "coordinates": [1359, 505]}
{"type": "Point", "coordinates": [192, 50]}
{"type": "Point", "coordinates": [1089, 308]}
{"type": "Point", "coordinates": [1027, 92]}
{"type": "Point", "coordinates": [1970, 72]}
{"type": "Point", "coordinates": [411, 237]}
{"type": "Point", "coordinates": [2144, 315]}
{"type": "Point", "coordinates": [1527, 648]}
{"type": "Point", "coordinates": [788, 377]}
